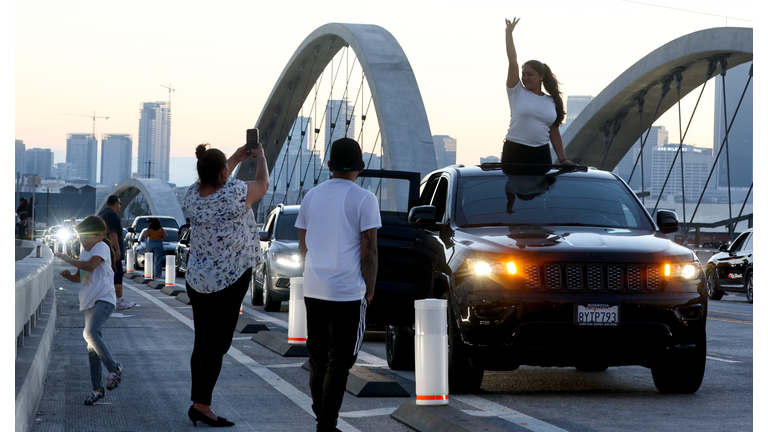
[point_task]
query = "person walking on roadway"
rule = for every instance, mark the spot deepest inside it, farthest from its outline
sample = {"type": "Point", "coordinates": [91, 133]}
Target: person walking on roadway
{"type": "Point", "coordinates": [95, 272]}
{"type": "Point", "coordinates": [115, 229]}
{"type": "Point", "coordinates": [155, 235]}
{"type": "Point", "coordinates": [337, 225]}
{"type": "Point", "coordinates": [535, 116]}
{"type": "Point", "coordinates": [223, 249]}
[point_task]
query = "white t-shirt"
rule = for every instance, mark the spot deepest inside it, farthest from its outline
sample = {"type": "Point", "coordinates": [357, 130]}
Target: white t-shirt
{"type": "Point", "coordinates": [532, 116]}
{"type": "Point", "coordinates": [335, 213]}
{"type": "Point", "coordinates": [99, 284]}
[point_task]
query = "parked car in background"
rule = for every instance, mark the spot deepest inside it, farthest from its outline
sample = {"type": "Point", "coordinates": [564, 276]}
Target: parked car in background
{"type": "Point", "coordinates": [140, 247]}
{"type": "Point", "coordinates": [182, 254]}
{"type": "Point", "coordinates": [271, 281]}
{"type": "Point", "coordinates": [731, 269]}
{"type": "Point", "coordinates": [141, 222]}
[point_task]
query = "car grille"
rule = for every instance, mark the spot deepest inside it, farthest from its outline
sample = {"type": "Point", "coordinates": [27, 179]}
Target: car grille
{"type": "Point", "coordinates": [593, 277]}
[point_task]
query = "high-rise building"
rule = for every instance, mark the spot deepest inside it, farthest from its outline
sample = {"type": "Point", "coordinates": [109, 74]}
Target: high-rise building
{"type": "Point", "coordinates": [445, 150]}
{"type": "Point", "coordinates": [116, 151]}
{"type": "Point", "coordinates": [20, 165]}
{"type": "Point", "coordinates": [154, 141]}
{"type": "Point", "coordinates": [697, 162]}
{"type": "Point", "coordinates": [81, 152]}
{"type": "Point", "coordinates": [339, 122]}
{"type": "Point", "coordinates": [38, 161]}
{"type": "Point", "coordinates": [574, 106]}
{"type": "Point", "coordinates": [295, 157]}
{"type": "Point", "coordinates": [658, 136]}
{"type": "Point", "coordinates": [740, 136]}
{"type": "Point", "coordinates": [65, 171]}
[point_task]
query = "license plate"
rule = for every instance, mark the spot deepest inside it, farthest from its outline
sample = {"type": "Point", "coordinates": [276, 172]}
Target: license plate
{"type": "Point", "coordinates": [597, 314]}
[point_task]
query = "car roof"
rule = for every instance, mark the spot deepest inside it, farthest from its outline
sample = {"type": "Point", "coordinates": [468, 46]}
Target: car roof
{"type": "Point", "coordinates": [494, 170]}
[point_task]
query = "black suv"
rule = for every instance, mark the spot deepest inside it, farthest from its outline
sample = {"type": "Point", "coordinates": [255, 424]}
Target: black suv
{"type": "Point", "coordinates": [271, 282]}
{"type": "Point", "coordinates": [556, 267]}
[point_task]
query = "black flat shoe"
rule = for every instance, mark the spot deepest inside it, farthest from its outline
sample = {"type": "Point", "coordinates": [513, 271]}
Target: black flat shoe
{"type": "Point", "coordinates": [196, 416]}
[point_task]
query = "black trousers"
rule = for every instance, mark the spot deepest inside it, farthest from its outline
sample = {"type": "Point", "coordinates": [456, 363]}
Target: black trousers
{"type": "Point", "coordinates": [215, 316]}
{"type": "Point", "coordinates": [516, 153]}
{"type": "Point", "coordinates": [334, 337]}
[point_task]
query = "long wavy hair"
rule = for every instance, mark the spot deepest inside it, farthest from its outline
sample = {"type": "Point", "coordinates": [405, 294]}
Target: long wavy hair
{"type": "Point", "coordinates": [94, 225]}
{"type": "Point", "coordinates": [551, 85]}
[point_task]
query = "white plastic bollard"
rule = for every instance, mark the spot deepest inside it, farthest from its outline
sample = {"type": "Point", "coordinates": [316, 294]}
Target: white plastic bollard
{"type": "Point", "coordinates": [129, 261]}
{"type": "Point", "coordinates": [55, 247]}
{"type": "Point", "coordinates": [170, 270]}
{"type": "Point", "coordinates": [297, 313]}
{"type": "Point", "coordinates": [149, 263]}
{"type": "Point", "coordinates": [431, 346]}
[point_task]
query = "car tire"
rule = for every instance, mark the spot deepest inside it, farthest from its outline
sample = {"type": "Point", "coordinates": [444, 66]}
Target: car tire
{"type": "Point", "coordinates": [462, 377]}
{"type": "Point", "coordinates": [713, 285]}
{"type": "Point", "coordinates": [748, 286]}
{"type": "Point", "coordinates": [256, 296]}
{"type": "Point", "coordinates": [682, 373]}
{"type": "Point", "coordinates": [270, 305]}
{"type": "Point", "coordinates": [400, 348]}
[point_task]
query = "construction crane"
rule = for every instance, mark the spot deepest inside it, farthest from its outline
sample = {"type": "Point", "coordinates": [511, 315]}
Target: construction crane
{"type": "Point", "coordinates": [94, 117]}
{"type": "Point", "coordinates": [169, 93]}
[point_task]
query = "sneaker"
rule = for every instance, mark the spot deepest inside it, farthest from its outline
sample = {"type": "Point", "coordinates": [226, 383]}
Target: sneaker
{"type": "Point", "coordinates": [114, 378]}
{"type": "Point", "coordinates": [95, 395]}
{"type": "Point", "coordinates": [123, 304]}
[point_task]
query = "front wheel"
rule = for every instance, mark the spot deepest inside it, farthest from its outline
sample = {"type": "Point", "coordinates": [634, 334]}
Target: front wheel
{"type": "Point", "coordinates": [713, 285]}
{"type": "Point", "coordinates": [462, 377]}
{"type": "Point", "coordinates": [256, 298]}
{"type": "Point", "coordinates": [748, 286]}
{"type": "Point", "coordinates": [270, 305]}
{"type": "Point", "coordinates": [683, 373]}
{"type": "Point", "coordinates": [400, 348]}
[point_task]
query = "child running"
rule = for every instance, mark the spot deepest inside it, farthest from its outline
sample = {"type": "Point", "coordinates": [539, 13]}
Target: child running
{"type": "Point", "coordinates": [95, 272]}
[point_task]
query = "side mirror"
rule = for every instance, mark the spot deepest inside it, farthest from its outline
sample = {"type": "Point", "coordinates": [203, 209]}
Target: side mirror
{"type": "Point", "coordinates": [724, 247]}
{"type": "Point", "coordinates": [667, 221]}
{"type": "Point", "coordinates": [184, 241]}
{"type": "Point", "coordinates": [423, 217]}
{"type": "Point", "coordinates": [263, 235]}
{"type": "Point", "coordinates": [130, 230]}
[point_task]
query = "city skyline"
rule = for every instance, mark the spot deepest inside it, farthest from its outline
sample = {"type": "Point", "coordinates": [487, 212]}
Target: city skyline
{"type": "Point", "coordinates": [210, 109]}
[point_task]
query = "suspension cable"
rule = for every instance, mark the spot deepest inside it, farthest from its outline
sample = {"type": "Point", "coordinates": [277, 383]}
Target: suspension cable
{"type": "Point", "coordinates": [714, 164]}
{"type": "Point", "coordinates": [640, 156]}
{"type": "Point", "coordinates": [723, 63]}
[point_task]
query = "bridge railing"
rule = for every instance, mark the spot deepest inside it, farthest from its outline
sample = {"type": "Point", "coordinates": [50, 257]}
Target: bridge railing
{"type": "Point", "coordinates": [34, 277]}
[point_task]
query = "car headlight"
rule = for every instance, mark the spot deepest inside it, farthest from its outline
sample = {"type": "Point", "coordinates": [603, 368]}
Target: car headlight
{"type": "Point", "coordinates": [484, 267]}
{"type": "Point", "coordinates": [287, 260]}
{"type": "Point", "coordinates": [684, 270]}
{"type": "Point", "coordinates": [64, 235]}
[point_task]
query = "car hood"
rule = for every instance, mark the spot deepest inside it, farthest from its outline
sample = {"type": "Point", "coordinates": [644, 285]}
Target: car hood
{"type": "Point", "coordinates": [573, 243]}
{"type": "Point", "coordinates": [284, 246]}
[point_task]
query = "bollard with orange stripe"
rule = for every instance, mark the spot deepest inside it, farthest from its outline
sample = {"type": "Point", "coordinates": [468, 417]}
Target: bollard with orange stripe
{"type": "Point", "coordinates": [149, 263]}
{"type": "Point", "coordinates": [431, 346]}
{"type": "Point", "coordinates": [170, 270]}
{"type": "Point", "coordinates": [129, 260]}
{"type": "Point", "coordinates": [297, 313]}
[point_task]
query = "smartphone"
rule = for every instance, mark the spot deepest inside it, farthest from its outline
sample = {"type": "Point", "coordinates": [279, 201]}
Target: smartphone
{"type": "Point", "coordinates": [252, 139]}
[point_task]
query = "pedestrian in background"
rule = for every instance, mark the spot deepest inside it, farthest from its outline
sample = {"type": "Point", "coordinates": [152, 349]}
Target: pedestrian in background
{"type": "Point", "coordinates": [155, 235]}
{"type": "Point", "coordinates": [115, 229]}
{"type": "Point", "coordinates": [97, 300]}
{"type": "Point", "coordinates": [535, 116]}
{"type": "Point", "coordinates": [223, 249]}
{"type": "Point", "coordinates": [337, 226]}
{"type": "Point", "coordinates": [23, 218]}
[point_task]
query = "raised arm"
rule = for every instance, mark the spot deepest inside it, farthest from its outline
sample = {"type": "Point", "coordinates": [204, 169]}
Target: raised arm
{"type": "Point", "coordinates": [513, 74]}
{"type": "Point", "coordinates": [369, 261]}
{"type": "Point", "coordinates": [257, 187]}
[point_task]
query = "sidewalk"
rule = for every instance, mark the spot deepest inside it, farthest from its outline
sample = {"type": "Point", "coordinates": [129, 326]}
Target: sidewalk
{"type": "Point", "coordinates": [257, 389]}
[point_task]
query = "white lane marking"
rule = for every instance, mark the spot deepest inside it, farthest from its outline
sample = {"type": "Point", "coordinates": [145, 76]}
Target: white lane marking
{"type": "Point", "coordinates": [242, 338]}
{"type": "Point", "coordinates": [501, 411]}
{"type": "Point", "coordinates": [295, 395]}
{"type": "Point", "coordinates": [508, 414]}
{"type": "Point", "coordinates": [723, 360]}
{"type": "Point", "coordinates": [368, 413]}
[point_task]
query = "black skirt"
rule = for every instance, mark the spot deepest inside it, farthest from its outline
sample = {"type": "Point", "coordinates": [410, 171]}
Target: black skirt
{"type": "Point", "coordinates": [516, 153]}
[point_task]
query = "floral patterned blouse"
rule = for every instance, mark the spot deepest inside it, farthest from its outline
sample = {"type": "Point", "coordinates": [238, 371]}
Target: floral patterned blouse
{"type": "Point", "coordinates": [223, 241]}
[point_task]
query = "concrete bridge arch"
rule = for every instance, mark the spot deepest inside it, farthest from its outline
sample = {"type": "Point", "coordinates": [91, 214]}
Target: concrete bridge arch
{"type": "Point", "coordinates": [160, 197]}
{"type": "Point", "coordinates": [614, 114]}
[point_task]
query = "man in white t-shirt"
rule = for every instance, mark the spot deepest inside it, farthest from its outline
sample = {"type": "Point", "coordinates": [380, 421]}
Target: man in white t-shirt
{"type": "Point", "coordinates": [337, 240]}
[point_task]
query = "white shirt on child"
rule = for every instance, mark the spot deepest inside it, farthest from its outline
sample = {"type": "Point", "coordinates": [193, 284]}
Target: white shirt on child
{"type": "Point", "coordinates": [100, 283]}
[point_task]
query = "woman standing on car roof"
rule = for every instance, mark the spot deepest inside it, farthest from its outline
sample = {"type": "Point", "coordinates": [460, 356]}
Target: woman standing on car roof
{"type": "Point", "coordinates": [223, 248]}
{"type": "Point", "coordinates": [536, 116]}
{"type": "Point", "coordinates": [155, 235]}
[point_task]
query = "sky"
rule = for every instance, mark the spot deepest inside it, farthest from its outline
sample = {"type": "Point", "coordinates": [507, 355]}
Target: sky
{"type": "Point", "coordinates": [223, 59]}
{"type": "Point", "coordinates": [87, 56]}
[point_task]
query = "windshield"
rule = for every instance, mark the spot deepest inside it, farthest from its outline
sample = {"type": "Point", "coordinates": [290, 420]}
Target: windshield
{"type": "Point", "coordinates": [286, 229]}
{"type": "Point", "coordinates": [164, 222]}
{"type": "Point", "coordinates": [547, 200]}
